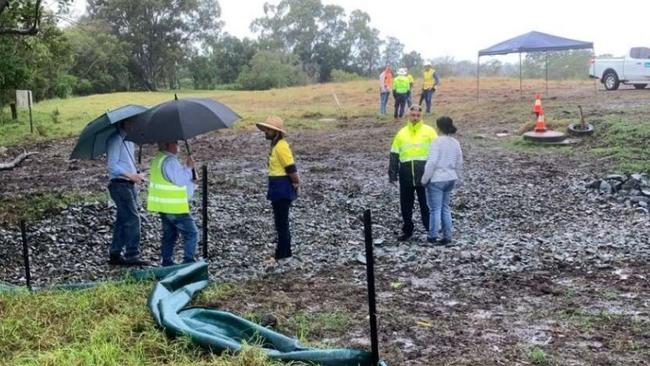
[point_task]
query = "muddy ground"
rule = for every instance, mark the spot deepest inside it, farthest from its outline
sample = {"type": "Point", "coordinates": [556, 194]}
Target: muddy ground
{"type": "Point", "coordinates": [542, 272]}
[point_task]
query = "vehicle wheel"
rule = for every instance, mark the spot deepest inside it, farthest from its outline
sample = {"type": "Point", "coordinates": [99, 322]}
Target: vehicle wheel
{"type": "Point", "coordinates": [640, 86]}
{"type": "Point", "coordinates": [610, 80]}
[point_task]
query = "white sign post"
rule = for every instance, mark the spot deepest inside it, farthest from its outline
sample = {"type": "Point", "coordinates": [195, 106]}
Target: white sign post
{"type": "Point", "coordinates": [24, 100]}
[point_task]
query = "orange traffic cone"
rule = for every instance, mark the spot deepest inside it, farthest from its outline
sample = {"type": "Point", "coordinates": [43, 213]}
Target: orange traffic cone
{"type": "Point", "coordinates": [537, 107]}
{"type": "Point", "coordinates": [540, 126]}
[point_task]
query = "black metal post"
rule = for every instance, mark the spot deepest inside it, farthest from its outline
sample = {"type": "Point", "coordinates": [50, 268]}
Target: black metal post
{"type": "Point", "coordinates": [370, 272]}
{"type": "Point", "coordinates": [31, 123]}
{"type": "Point", "coordinates": [204, 196]}
{"type": "Point", "coordinates": [14, 111]}
{"type": "Point", "coordinates": [28, 275]}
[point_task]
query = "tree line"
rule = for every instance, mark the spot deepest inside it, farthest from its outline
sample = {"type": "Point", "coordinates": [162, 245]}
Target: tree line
{"type": "Point", "coordinates": [122, 45]}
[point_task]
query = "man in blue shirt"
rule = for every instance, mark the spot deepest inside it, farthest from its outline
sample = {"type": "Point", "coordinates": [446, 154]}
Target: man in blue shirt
{"type": "Point", "coordinates": [124, 177]}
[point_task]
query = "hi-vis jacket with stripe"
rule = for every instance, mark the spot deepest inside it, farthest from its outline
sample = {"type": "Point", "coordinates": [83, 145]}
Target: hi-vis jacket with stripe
{"type": "Point", "coordinates": [164, 196]}
{"type": "Point", "coordinates": [408, 153]}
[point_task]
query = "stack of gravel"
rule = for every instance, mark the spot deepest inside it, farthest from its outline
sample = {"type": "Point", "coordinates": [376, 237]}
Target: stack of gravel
{"type": "Point", "coordinates": [628, 190]}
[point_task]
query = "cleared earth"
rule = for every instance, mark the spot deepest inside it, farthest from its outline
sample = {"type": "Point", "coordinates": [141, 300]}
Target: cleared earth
{"type": "Point", "coordinates": [543, 272]}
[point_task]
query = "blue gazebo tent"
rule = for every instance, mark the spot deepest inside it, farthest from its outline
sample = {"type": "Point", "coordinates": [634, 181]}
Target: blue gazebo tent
{"type": "Point", "coordinates": [527, 43]}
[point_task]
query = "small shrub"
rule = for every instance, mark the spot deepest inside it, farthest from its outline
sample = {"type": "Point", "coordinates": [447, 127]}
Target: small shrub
{"type": "Point", "coordinates": [270, 69]}
{"type": "Point", "coordinates": [342, 75]}
{"type": "Point", "coordinates": [42, 130]}
{"type": "Point", "coordinates": [537, 356]}
{"type": "Point", "coordinates": [64, 85]}
{"type": "Point", "coordinates": [55, 116]}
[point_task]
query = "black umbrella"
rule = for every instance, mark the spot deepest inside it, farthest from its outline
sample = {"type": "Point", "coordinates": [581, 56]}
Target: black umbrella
{"type": "Point", "coordinates": [180, 119]}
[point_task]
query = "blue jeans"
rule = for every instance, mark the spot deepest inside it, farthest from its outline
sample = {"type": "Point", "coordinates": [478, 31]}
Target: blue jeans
{"type": "Point", "coordinates": [126, 229]}
{"type": "Point", "coordinates": [427, 94]}
{"type": "Point", "coordinates": [172, 225]}
{"type": "Point", "coordinates": [438, 198]}
{"type": "Point", "coordinates": [383, 101]}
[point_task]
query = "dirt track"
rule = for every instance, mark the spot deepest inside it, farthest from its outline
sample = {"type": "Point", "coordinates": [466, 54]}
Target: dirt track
{"type": "Point", "coordinates": [539, 264]}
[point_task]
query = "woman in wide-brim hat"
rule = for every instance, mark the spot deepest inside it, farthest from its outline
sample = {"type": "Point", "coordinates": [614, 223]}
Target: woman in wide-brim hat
{"type": "Point", "coordinates": [284, 182]}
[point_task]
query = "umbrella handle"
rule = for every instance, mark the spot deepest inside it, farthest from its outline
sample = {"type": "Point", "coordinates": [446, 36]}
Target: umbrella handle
{"type": "Point", "coordinates": [189, 152]}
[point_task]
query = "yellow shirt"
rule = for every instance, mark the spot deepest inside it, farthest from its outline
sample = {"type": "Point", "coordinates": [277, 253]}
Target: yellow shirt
{"type": "Point", "coordinates": [411, 80]}
{"type": "Point", "coordinates": [280, 158]}
{"type": "Point", "coordinates": [428, 79]}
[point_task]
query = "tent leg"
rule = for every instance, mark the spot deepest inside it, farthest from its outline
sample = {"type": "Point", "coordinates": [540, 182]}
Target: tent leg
{"type": "Point", "coordinates": [478, 78]}
{"type": "Point", "coordinates": [593, 56]}
{"type": "Point", "coordinates": [521, 90]}
{"type": "Point", "coordinates": [546, 54]}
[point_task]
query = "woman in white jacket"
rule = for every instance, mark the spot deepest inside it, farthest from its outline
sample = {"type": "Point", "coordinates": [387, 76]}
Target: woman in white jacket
{"type": "Point", "coordinates": [442, 172]}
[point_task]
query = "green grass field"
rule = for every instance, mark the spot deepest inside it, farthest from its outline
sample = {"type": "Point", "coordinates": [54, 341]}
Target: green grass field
{"type": "Point", "coordinates": [106, 325]}
{"type": "Point", "coordinates": [57, 118]}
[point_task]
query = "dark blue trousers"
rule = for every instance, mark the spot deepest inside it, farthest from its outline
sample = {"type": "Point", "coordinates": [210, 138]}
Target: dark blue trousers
{"type": "Point", "coordinates": [281, 217]}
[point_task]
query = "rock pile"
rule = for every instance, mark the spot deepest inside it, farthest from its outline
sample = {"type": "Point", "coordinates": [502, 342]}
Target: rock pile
{"type": "Point", "coordinates": [628, 190]}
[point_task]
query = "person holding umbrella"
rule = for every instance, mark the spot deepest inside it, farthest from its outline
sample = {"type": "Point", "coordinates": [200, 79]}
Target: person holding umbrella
{"type": "Point", "coordinates": [106, 134]}
{"type": "Point", "coordinates": [170, 190]}
{"type": "Point", "coordinates": [171, 184]}
{"type": "Point", "coordinates": [284, 182]}
{"type": "Point", "coordinates": [124, 177]}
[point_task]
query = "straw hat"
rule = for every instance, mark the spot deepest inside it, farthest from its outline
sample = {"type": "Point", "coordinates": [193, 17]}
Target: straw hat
{"type": "Point", "coordinates": [272, 123]}
{"type": "Point", "coordinates": [401, 71]}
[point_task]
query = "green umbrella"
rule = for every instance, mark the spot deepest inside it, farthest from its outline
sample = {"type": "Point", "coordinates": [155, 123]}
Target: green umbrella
{"type": "Point", "coordinates": [92, 141]}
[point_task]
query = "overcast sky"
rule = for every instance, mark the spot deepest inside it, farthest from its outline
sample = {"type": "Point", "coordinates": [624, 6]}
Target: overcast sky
{"type": "Point", "coordinates": [460, 28]}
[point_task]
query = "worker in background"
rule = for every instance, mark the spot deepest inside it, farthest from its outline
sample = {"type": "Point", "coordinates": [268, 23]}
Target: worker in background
{"type": "Point", "coordinates": [408, 155]}
{"type": "Point", "coordinates": [409, 102]}
{"type": "Point", "coordinates": [170, 191]}
{"type": "Point", "coordinates": [401, 87]}
{"type": "Point", "coordinates": [284, 183]}
{"type": "Point", "coordinates": [385, 87]}
{"type": "Point", "coordinates": [431, 82]}
{"type": "Point", "coordinates": [124, 179]}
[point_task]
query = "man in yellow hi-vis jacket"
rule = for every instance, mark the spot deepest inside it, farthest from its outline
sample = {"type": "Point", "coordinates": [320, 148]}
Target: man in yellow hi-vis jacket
{"type": "Point", "coordinates": [170, 191]}
{"type": "Point", "coordinates": [408, 155]}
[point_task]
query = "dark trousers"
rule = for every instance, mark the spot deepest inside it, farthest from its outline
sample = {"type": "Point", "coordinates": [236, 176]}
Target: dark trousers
{"type": "Point", "coordinates": [407, 201]}
{"type": "Point", "coordinates": [400, 102]}
{"type": "Point", "coordinates": [281, 217]}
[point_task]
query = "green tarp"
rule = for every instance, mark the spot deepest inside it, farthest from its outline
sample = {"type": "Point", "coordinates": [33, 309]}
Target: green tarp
{"type": "Point", "coordinates": [222, 331]}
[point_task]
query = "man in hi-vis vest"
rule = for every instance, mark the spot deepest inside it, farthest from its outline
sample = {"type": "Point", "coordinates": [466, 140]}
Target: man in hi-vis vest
{"type": "Point", "coordinates": [171, 187]}
{"type": "Point", "coordinates": [408, 156]}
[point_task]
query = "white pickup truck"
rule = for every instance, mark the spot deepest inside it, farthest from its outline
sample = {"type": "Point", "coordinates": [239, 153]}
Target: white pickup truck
{"type": "Point", "coordinates": [633, 69]}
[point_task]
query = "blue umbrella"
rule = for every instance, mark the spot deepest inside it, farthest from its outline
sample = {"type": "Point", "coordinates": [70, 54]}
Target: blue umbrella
{"type": "Point", "coordinates": [92, 141]}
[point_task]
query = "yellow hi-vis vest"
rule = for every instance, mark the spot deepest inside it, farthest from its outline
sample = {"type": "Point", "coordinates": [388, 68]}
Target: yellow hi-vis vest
{"type": "Point", "coordinates": [412, 142]}
{"type": "Point", "coordinates": [428, 79]}
{"type": "Point", "coordinates": [401, 84]}
{"type": "Point", "coordinates": [164, 196]}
